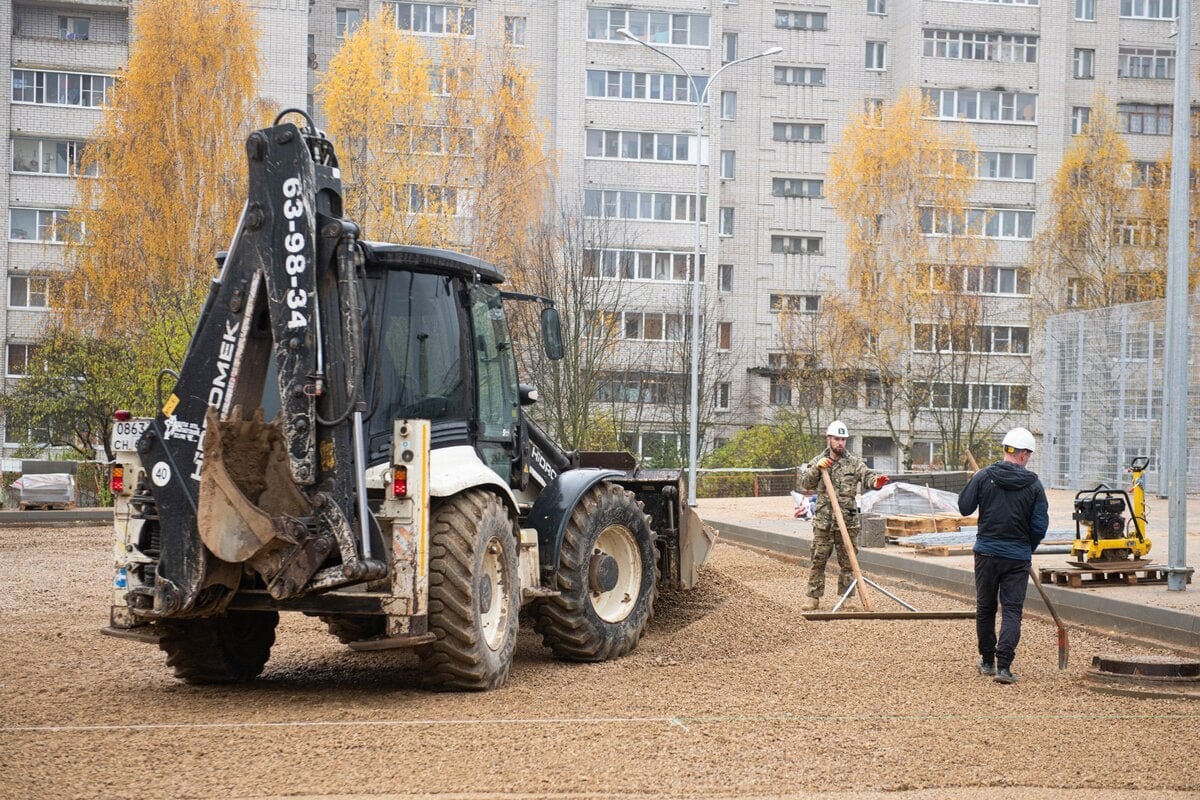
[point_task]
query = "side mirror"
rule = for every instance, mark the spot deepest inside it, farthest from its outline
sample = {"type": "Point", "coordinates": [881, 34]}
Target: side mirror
{"type": "Point", "coordinates": [528, 394]}
{"type": "Point", "coordinates": [552, 341]}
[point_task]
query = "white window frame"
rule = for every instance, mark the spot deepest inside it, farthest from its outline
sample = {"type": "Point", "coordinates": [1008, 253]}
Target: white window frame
{"type": "Point", "coordinates": [779, 303]}
{"type": "Point", "coordinates": [963, 45]}
{"type": "Point", "coordinates": [790, 20]}
{"type": "Point", "coordinates": [1146, 63]}
{"type": "Point", "coordinates": [1083, 64]}
{"type": "Point", "coordinates": [728, 164]}
{"type": "Point", "coordinates": [33, 84]}
{"type": "Point", "coordinates": [729, 47]}
{"type": "Point", "coordinates": [648, 206]}
{"type": "Point", "coordinates": [725, 221]}
{"type": "Point", "coordinates": [1081, 117]}
{"type": "Point", "coordinates": [780, 132]}
{"type": "Point", "coordinates": [47, 157]}
{"type": "Point", "coordinates": [721, 396]}
{"type": "Point", "coordinates": [435, 19]}
{"type": "Point", "coordinates": [54, 220]}
{"type": "Point", "coordinates": [69, 28]}
{"type": "Point", "coordinates": [1085, 10]}
{"type": "Point", "coordinates": [876, 56]}
{"type": "Point", "coordinates": [728, 105]}
{"type": "Point", "coordinates": [27, 349]}
{"type": "Point", "coordinates": [724, 278]}
{"type": "Point", "coordinates": [785, 244]}
{"type": "Point", "coordinates": [654, 87]}
{"type": "Point", "coordinates": [659, 266]}
{"type": "Point", "coordinates": [659, 28]}
{"type": "Point", "coordinates": [1148, 9]}
{"type": "Point", "coordinates": [23, 288]}
{"type": "Point", "coordinates": [515, 28]}
{"type": "Point", "coordinates": [799, 76]}
{"type": "Point", "coordinates": [346, 22]}
{"type": "Point", "coordinates": [968, 105]}
{"type": "Point", "coordinates": [877, 7]}
{"type": "Point", "coordinates": [657, 146]}
{"type": "Point", "coordinates": [811, 188]}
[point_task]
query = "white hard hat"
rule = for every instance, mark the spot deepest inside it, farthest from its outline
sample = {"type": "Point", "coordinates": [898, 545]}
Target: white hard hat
{"type": "Point", "coordinates": [1019, 439]}
{"type": "Point", "coordinates": [837, 428]}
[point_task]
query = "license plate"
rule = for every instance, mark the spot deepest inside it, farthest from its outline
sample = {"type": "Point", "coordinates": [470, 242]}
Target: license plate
{"type": "Point", "coordinates": [126, 433]}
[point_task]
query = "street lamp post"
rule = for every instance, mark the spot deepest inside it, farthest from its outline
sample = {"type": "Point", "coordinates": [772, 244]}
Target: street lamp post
{"type": "Point", "coordinates": [701, 98]}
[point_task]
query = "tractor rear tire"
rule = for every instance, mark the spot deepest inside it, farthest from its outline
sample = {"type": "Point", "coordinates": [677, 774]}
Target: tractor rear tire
{"type": "Point", "coordinates": [607, 579]}
{"type": "Point", "coordinates": [230, 648]}
{"type": "Point", "coordinates": [474, 593]}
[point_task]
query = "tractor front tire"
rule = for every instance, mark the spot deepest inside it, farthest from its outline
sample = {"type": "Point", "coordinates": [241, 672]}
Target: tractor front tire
{"type": "Point", "coordinates": [230, 648]}
{"type": "Point", "coordinates": [474, 593]}
{"type": "Point", "coordinates": [607, 579]}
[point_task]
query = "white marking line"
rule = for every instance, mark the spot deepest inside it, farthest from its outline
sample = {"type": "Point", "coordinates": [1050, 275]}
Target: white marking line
{"type": "Point", "coordinates": [680, 722]}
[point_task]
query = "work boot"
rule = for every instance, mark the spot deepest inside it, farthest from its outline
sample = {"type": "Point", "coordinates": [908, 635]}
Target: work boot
{"type": "Point", "coordinates": [813, 604]}
{"type": "Point", "coordinates": [1004, 675]}
{"type": "Point", "coordinates": [987, 667]}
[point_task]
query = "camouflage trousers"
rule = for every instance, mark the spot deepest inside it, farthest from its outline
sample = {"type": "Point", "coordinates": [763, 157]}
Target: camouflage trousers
{"type": "Point", "coordinates": [824, 541]}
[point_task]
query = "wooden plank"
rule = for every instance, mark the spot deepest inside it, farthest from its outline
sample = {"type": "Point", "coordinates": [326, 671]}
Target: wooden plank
{"type": "Point", "coordinates": [828, 615]}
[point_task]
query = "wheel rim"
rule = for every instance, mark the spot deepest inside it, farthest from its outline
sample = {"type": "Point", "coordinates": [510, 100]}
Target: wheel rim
{"type": "Point", "coordinates": [617, 542]}
{"type": "Point", "coordinates": [493, 598]}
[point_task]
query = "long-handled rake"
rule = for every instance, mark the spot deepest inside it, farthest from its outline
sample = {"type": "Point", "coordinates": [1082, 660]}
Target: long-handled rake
{"type": "Point", "coordinates": [860, 582]}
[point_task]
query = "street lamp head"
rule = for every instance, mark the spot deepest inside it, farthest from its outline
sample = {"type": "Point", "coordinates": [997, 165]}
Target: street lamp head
{"type": "Point", "coordinates": [625, 32]}
{"type": "Point", "coordinates": [773, 51]}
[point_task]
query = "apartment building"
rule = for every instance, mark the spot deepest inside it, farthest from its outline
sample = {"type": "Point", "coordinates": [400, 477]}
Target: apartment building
{"type": "Point", "coordinates": [1020, 75]}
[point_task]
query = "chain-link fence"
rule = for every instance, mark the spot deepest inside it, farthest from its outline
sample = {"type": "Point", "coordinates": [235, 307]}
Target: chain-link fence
{"type": "Point", "coordinates": [1104, 396]}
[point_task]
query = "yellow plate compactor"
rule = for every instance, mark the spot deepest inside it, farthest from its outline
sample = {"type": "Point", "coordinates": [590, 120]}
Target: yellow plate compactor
{"type": "Point", "coordinates": [1102, 534]}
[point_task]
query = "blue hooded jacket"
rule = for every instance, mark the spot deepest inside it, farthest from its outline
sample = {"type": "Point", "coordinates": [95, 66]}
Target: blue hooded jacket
{"type": "Point", "coordinates": [1013, 511]}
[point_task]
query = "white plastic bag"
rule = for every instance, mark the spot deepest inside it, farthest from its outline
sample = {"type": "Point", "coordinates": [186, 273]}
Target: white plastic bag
{"type": "Point", "coordinates": [908, 498]}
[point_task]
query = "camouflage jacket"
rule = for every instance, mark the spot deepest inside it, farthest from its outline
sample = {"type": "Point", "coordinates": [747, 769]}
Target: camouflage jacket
{"type": "Point", "coordinates": [847, 474]}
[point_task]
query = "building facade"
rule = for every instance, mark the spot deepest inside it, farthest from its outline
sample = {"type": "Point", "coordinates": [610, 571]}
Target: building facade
{"type": "Point", "coordinates": [1019, 75]}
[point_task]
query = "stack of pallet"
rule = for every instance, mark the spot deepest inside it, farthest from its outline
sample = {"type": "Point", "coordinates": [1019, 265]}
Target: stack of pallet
{"type": "Point", "coordinates": [900, 527]}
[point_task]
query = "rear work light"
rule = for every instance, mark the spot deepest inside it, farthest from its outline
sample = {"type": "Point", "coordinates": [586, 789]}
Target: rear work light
{"type": "Point", "coordinates": [400, 482]}
{"type": "Point", "coordinates": [117, 481]}
{"type": "Point", "coordinates": [121, 415]}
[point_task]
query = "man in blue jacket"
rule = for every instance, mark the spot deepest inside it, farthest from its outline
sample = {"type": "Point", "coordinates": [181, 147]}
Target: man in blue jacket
{"type": "Point", "coordinates": [1013, 517]}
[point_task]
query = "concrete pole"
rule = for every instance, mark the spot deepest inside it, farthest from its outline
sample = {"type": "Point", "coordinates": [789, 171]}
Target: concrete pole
{"type": "Point", "coordinates": [1175, 377]}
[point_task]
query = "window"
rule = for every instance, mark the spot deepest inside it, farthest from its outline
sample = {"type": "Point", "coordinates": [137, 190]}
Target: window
{"type": "Point", "coordinates": [20, 357]}
{"type": "Point", "coordinates": [978, 396]}
{"type": "Point", "coordinates": [979, 280]}
{"type": "Point", "coordinates": [1146, 62]}
{"type": "Point", "coordinates": [625, 204]}
{"type": "Point", "coordinates": [798, 132]}
{"type": "Point", "coordinates": [50, 226]}
{"type": "Point", "coordinates": [346, 22]}
{"type": "Point", "coordinates": [991, 223]}
{"type": "Point", "coordinates": [729, 47]}
{"type": "Point", "coordinates": [929, 338]}
{"type": "Point", "coordinates": [780, 391]}
{"type": "Point", "coordinates": [977, 46]}
{"type": "Point", "coordinates": [654, 27]}
{"type": "Point", "coordinates": [640, 387]}
{"type": "Point", "coordinates": [653, 326]}
{"type": "Point", "coordinates": [800, 76]}
{"type": "Point", "coordinates": [873, 109]}
{"type": "Point", "coordinates": [639, 146]}
{"type": "Point", "coordinates": [432, 199]}
{"type": "Point", "coordinates": [724, 335]}
{"type": "Point", "coordinates": [998, 166]}
{"type": "Point", "coordinates": [1085, 10]}
{"type": "Point", "coordinates": [876, 56]}
{"type": "Point", "coordinates": [48, 157]}
{"type": "Point", "coordinates": [724, 277]}
{"type": "Point", "coordinates": [1083, 65]}
{"type": "Point", "coordinates": [432, 139]}
{"type": "Point", "coordinates": [801, 20]}
{"type": "Point", "coordinates": [1148, 9]}
{"type": "Point", "coordinates": [797, 187]}
{"type": "Point", "coordinates": [1144, 174]}
{"type": "Point", "coordinates": [514, 31]}
{"type": "Point", "coordinates": [721, 397]}
{"type": "Point", "coordinates": [60, 88]}
{"type": "Point", "coordinates": [728, 105]}
{"type": "Point", "coordinates": [985, 106]}
{"type": "Point", "coordinates": [794, 303]}
{"type": "Point", "coordinates": [640, 265]}
{"type": "Point", "coordinates": [1074, 292]}
{"type": "Point", "coordinates": [725, 226]}
{"type": "Point", "coordinates": [727, 164]}
{"type": "Point", "coordinates": [436, 19]}
{"type": "Point", "coordinates": [876, 6]}
{"type": "Point", "coordinates": [797, 245]}
{"type": "Point", "coordinates": [1150, 120]}
{"type": "Point", "coordinates": [29, 291]}
{"type": "Point", "coordinates": [1080, 117]}
{"type": "Point", "coordinates": [643, 86]}
{"type": "Point", "coordinates": [74, 28]}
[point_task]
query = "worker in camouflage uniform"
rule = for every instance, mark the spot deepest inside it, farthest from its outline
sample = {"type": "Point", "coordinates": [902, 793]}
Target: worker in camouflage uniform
{"type": "Point", "coordinates": [847, 472]}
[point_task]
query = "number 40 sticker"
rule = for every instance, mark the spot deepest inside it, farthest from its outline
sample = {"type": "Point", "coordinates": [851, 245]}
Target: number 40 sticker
{"type": "Point", "coordinates": [161, 473]}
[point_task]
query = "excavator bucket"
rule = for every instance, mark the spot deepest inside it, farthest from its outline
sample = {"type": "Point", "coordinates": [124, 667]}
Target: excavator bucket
{"type": "Point", "coordinates": [248, 497]}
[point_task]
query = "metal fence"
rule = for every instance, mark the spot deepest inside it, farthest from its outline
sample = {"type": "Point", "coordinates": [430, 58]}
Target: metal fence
{"type": "Point", "coordinates": [1103, 400]}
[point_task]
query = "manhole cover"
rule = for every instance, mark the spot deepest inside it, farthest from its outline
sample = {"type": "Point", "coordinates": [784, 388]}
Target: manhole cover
{"type": "Point", "coordinates": [1145, 669]}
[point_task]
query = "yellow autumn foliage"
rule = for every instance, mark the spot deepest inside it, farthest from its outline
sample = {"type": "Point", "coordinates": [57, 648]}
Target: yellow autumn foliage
{"type": "Point", "coordinates": [170, 155]}
{"type": "Point", "coordinates": [438, 148]}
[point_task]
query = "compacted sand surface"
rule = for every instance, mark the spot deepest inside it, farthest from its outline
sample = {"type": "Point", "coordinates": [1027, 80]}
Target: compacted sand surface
{"type": "Point", "coordinates": [730, 694]}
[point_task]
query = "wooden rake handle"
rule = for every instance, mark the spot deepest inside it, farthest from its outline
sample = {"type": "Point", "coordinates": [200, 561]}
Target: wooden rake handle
{"type": "Point", "coordinates": [860, 584]}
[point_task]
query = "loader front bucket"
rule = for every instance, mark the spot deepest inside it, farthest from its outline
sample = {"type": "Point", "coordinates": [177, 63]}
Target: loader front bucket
{"type": "Point", "coordinates": [248, 497]}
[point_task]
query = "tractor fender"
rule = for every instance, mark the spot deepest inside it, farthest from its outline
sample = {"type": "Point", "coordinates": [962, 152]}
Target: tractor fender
{"type": "Point", "coordinates": [451, 470]}
{"type": "Point", "coordinates": [552, 509]}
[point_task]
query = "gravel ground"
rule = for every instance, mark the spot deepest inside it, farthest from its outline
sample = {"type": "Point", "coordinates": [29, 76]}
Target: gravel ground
{"type": "Point", "coordinates": [731, 694]}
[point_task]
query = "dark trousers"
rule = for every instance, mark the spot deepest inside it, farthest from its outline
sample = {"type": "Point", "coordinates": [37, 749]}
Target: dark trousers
{"type": "Point", "coordinates": [1001, 580]}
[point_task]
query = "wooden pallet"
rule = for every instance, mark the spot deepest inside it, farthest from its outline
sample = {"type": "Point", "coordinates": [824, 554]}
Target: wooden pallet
{"type": "Point", "coordinates": [910, 524]}
{"type": "Point", "coordinates": [1125, 575]}
{"type": "Point", "coordinates": [944, 550]}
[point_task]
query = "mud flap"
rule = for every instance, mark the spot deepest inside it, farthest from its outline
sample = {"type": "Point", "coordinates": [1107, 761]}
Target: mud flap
{"type": "Point", "coordinates": [696, 541]}
{"type": "Point", "coordinates": [249, 504]}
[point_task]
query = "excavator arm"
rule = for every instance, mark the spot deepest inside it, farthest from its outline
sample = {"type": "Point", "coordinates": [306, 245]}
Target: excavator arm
{"type": "Point", "coordinates": [229, 488]}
